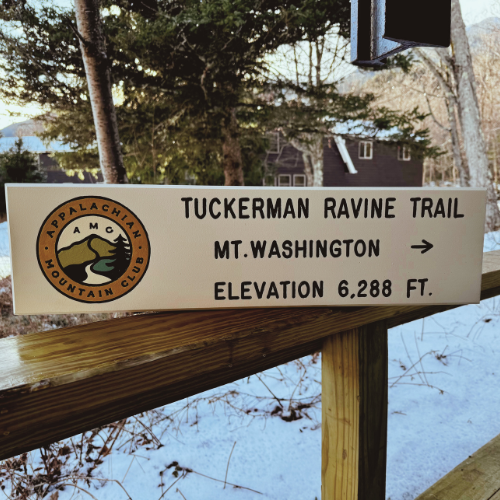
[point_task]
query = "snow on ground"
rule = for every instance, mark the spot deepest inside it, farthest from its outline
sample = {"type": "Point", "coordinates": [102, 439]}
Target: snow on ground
{"type": "Point", "coordinates": [433, 429]}
{"type": "Point", "coordinates": [4, 250]}
{"type": "Point", "coordinates": [440, 411]}
{"type": "Point", "coordinates": [444, 403]}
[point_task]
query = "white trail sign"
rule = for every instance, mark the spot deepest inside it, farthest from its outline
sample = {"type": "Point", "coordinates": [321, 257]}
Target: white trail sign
{"type": "Point", "coordinates": [136, 248]}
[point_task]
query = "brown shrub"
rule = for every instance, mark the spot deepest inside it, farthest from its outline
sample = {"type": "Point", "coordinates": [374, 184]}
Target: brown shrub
{"type": "Point", "coordinates": [6, 296]}
{"type": "Point", "coordinates": [11, 325]}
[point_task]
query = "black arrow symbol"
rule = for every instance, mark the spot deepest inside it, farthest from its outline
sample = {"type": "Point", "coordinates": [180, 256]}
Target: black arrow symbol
{"type": "Point", "coordinates": [425, 247]}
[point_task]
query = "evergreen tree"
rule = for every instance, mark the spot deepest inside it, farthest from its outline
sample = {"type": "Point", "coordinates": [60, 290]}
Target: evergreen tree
{"type": "Point", "coordinates": [17, 165]}
{"type": "Point", "coordinates": [192, 78]}
{"type": "Point", "coordinates": [122, 254]}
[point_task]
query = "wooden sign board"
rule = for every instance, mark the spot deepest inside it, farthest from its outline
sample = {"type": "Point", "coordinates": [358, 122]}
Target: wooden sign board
{"type": "Point", "coordinates": [136, 248]}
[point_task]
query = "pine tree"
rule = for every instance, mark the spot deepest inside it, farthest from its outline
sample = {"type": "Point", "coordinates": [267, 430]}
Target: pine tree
{"type": "Point", "coordinates": [122, 254]}
{"type": "Point", "coordinates": [17, 165]}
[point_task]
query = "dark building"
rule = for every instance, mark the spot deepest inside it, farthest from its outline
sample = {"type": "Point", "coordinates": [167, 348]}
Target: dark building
{"type": "Point", "coordinates": [347, 162]}
{"type": "Point", "coordinates": [56, 175]}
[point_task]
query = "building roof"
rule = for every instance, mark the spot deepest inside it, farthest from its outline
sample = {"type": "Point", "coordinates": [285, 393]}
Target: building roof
{"type": "Point", "coordinates": [356, 129]}
{"type": "Point", "coordinates": [34, 145]}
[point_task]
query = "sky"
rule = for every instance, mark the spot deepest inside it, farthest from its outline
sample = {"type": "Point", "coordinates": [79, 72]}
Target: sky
{"type": "Point", "coordinates": [473, 11]}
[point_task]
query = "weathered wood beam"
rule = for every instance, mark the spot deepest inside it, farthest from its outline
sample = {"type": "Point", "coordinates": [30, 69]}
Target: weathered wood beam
{"type": "Point", "coordinates": [58, 383]}
{"type": "Point", "coordinates": [477, 478]}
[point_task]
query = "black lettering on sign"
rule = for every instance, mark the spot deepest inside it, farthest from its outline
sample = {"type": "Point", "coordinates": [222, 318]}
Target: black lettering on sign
{"type": "Point", "coordinates": [287, 249]}
{"type": "Point", "coordinates": [231, 296]}
{"type": "Point", "coordinates": [186, 201]}
{"type": "Point", "coordinates": [259, 291]}
{"type": "Point", "coordinates": [219, 290]}
{"type": "Point", "coordinates": [228, 208]}
{"type": "Point", "coordinates": [289, 209]}
{"type": "Point", "coordinates": [258, 206]}
{"type": "Point", "coordinates": [245, 290]}
{"type": "Point", "coordinates": [258, 248]}
{"type": "Point", "coordinates": [317, 289]}
{"type": "Point", "coordinates": [374, 208]}
{"type": "Point", "coordinates": [377, 208]}
{"type": "Point", "coordinates": [274, 251]}
{"type": "Point", "coordinates": [242, 208]}
{"type": "Point", "coordinates": [246, 208]}
{"type": "Point", "coordinates": [200, 213]}
{"type": "Point", "coordinates": [445, 209]}
{"type": "Point", "coordinates": [211, 208]}
{"type": "Point", "coordinates": [284, 285]}
{"type": "Point", "coordinates": [236, 245]}
{"type": "Point", "coordinates": [304, 208]}
{"type": "Point", "coordinates": [273, 291]}
{"type": "Point", "coordinates": [222, 252]}
{"type": "Point", "coordinates": [321, 248]}
{"type": "Point", "coordinates": [274, 211]}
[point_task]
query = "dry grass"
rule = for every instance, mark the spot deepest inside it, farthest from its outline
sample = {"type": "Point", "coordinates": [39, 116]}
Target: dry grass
{"type": "Point", "coordinates": [11, 325]}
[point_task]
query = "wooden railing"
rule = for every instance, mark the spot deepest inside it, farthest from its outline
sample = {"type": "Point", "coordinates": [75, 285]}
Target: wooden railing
{"type": "Point", "coordinates": [476, 478]}
{"type": "Point", "coordinates": [62, 382]}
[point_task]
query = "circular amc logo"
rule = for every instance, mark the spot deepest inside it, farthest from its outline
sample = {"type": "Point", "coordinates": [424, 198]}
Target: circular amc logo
{"type": "Point", "coordinates": [93, 249]}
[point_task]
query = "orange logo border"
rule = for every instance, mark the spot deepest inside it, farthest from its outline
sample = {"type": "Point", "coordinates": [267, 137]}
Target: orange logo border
{"type": "Point", "coordinates": [67, 212]}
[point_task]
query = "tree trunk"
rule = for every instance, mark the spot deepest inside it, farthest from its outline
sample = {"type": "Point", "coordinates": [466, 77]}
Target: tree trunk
{"type": "Point", "coordinates": [447, 83]}
{"type": "Point", "coordinates": [312, 153]}
{"type": "Point", "coordinates": [231, 150]}
{"type": "Point", "coordinates": [463, 173]}
{"type": "Point", "coordinates": [317, 162]}
{"type": "Point", "coordinates": [308, 168]}
{"type": "Point", "coordinates": [96, 63]}
{"type": "Point", "coordinates": [475, 146]}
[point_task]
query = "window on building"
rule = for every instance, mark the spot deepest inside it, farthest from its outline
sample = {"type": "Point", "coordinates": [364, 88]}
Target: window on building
{"type": "Point", "coordinates": [404, 153]}
{"type": "Point", "coordinates": [189, 178]}
{"type": "Point", "coordinates": [299, 180]}
{"type": "Point", "coordinates": [366, 150]}
{"type": "Point", "coordinates": [269, 180]}
{"type": "Point", "coordinates": [284, 180]}
{"type": "Point", "coordinates": [274, 142]}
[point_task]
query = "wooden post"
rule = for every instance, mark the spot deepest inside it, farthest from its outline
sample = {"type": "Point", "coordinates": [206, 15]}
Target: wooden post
{"type": "Point", "coordinates": [354, 401]}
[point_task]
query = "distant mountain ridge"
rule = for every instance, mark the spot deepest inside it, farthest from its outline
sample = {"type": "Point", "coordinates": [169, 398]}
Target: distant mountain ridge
{"type": "Point", "coordinates": [26, 128]}
{"type": "Point", "coordinates": [477, 31]}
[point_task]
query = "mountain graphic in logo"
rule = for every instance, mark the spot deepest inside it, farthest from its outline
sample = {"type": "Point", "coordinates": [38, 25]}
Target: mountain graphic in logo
{"type": "Point", "coordinates": [95, 260]}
